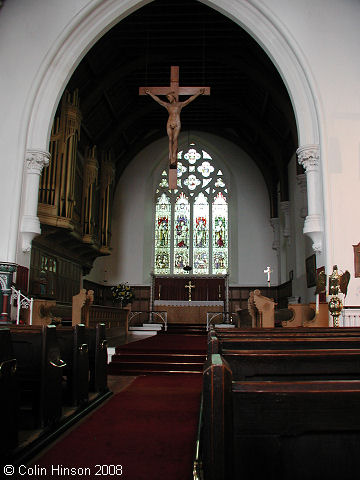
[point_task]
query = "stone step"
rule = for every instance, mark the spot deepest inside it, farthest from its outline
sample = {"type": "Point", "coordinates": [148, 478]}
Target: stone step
{"type": "Point", "coordinates": [140, 368]}
{"type": "Point", "coordinates": [158, 357]}
{"type": "Point", "coordinates": [146, 327]}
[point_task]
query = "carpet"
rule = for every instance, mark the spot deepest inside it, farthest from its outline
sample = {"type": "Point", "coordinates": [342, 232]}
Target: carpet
{"type": "Point", "coordinates": [147, 431]}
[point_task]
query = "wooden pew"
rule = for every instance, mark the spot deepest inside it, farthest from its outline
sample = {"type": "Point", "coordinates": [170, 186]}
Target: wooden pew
{"type": "Point", "coordinates": [39, 362]}
{"type": "Point", "coordinates": [284, 332]}
{"type": "Point", "coordinates": [75, 353]}
{"type": "Point", "coordinates": [286, 430]}
{"type": "Point", "coordinates": [96, 339]}
{"type": "Point", "coordinates": [308, 429]}
{"type": "Point", "coordinates": [217, 422]}
{"type": "Point", "coordinates": [218, 342]}
{"type": "Point", "coordinates": [9, 394]}
{"type": "Point", "coordinates": [278, 365]}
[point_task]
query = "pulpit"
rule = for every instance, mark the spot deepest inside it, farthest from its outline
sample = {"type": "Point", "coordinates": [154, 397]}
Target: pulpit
{"type": "Point", "coordinates": [188, 299]}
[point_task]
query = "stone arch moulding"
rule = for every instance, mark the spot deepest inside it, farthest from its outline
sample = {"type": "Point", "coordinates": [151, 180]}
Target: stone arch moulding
{"type": "Point", "coordinates": [99, 16]}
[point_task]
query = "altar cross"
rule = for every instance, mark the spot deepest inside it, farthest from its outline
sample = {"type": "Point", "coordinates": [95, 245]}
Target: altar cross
{"type": "Point", "coordinates": [190, 286]}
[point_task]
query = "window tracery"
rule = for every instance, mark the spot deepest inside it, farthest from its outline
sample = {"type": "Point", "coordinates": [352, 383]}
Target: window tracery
{"type": "Point", "coordinates": [191, 222]}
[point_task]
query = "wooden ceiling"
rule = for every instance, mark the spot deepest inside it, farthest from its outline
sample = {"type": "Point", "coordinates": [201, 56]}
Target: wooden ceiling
{"type": "Point", "coordinates": [249, 104]}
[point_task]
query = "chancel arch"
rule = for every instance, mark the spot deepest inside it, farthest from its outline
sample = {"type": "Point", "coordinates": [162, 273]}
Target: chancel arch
{"type": "Point", "coordinates": [82, 31]}
{"type": "Point", "coordinates": [90, 26]}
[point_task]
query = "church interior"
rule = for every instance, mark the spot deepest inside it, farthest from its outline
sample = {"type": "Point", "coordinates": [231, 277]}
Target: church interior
{"type": "Point", "coordinates": [188, 316]}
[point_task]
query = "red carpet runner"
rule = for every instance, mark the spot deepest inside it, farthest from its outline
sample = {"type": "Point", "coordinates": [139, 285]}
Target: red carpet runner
{"type": "Point", "coordinates": [168, 343]}
{"type": "Point", "coordinates": [147, 431]}
{"type": "Point", "coordinates": [166, 353]}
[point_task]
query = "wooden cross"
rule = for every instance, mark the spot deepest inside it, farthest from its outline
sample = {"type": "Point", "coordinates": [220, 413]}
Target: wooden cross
{"type": "Point", "coordinates": [174, 87]}
{"type": "Point", "coordinates": [189, 286]}
{"type": "Point", "coordinates": [174, 108]}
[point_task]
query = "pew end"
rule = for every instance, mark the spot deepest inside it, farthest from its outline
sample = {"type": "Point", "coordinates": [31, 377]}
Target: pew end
{"type": "Point", "coordinates": [40, 375]}
{"type": "Point", "coordinates": [9, 394]}
{"type": "Point", "coordinates": [217, 424]}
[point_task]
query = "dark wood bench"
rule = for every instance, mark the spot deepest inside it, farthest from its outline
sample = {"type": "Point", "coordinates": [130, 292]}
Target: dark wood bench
{"type": "Point", "coordinates": [321, 364]}
{"type": "Point", "coordinates": [308, 429]}
{"type": "Point", "coordinates": [288, 430]}
{"type": "Point", "coordinates": [218, 343]}
{"type": "Point", "coordinates": [279, 332]}
{"type": "Point", "coordinates": [9, 394]}
{"type": "Point", "coordinates": [75, 353]}
{"type": "Point", "coordinates": [96, 339]}
{"type": "Point", "coordinates": [39, 366]}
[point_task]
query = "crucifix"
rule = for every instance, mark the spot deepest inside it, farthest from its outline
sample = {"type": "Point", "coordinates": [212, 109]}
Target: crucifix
{"type": "Point", "coordinates": [174, 107]}
{"type": "Point", "coordinates": [268, 271]}
{"type": "Point", "coordinates": [190, 286]}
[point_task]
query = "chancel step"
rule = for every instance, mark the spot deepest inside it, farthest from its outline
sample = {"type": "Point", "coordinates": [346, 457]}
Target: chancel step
{"type": "Point", "coordinates": [186, 328]}
{"type": "Point", "coordinates": [134, 363]}
{"type": "Point", "coordinates": [160, 354]}
{"type": "Point", "coordinates": [142, 368]}
{"type": "Point", "coordinates": [159, 357]}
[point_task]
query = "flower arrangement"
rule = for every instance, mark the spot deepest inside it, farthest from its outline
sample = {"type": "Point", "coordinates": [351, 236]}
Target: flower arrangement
{"type": "Point", "coordinates": [122, 293]}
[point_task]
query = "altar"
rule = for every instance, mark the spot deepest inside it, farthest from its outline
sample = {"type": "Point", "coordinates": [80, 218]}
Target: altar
{"type": "Point", "coordinates": [189, 298]}
{"type": "Point", "coordinates": [188, 312]}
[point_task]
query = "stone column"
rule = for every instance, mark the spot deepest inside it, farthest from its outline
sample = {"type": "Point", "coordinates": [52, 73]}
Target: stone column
{"type": "Point", "coordinates": [35, 161]}
{"type": "Point", "coordinates": [309, 158]}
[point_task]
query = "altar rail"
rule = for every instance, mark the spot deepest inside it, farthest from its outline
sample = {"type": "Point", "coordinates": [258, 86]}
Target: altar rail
{"type": "Point", "coordinates": [137, 318]}
{"type": "Point", "coordinates": [224, 318]}
{"type": "Point", "coordinates": [350, 317]}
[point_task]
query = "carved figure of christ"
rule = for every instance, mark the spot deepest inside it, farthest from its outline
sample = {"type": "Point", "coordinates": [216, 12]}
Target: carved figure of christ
{"type": "Point", "coordinates": [174, 108]}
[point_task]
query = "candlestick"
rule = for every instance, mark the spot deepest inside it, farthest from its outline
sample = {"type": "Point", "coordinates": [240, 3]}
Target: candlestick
{"type": "Point", "coordinates": [159, 291]}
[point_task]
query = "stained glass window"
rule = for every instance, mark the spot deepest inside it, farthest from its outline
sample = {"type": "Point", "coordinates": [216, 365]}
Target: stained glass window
{"type": "Point", "coordinates": [181, 233]}
{"type": "Point", "coordinates": [220, 233]}
{"type": "Point", "coordinates": [191, 222]}
{"type": "Point", "coordinates": [162, 234]}
{"type": "Point", "coordinates": [201, 234]}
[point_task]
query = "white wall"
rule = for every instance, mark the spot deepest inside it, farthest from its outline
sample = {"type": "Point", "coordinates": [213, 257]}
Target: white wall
{"type": "Point", "coordinates": [251, 234]}
{"type": "Point", "coordinates": [326, 33]}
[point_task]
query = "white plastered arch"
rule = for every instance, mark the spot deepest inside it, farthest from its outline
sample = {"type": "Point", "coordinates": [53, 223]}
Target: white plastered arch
{"type": "Point", "coordinates": [98, 16]}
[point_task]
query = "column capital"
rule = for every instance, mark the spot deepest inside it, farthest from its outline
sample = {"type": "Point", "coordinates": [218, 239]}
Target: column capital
{"type": "Point", "coordinates": [36, 160]}
{"type": "Point", "coordinates": [309, 156]}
